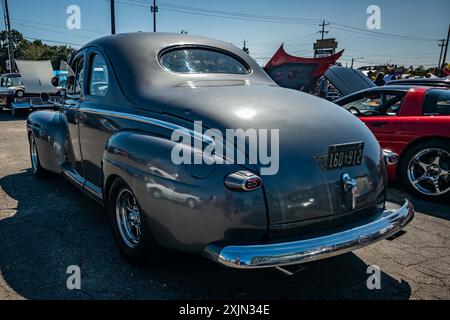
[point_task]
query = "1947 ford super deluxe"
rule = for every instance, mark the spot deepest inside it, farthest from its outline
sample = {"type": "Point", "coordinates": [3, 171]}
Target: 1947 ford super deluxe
{"type": "Point", "coordinates": [112, 137]}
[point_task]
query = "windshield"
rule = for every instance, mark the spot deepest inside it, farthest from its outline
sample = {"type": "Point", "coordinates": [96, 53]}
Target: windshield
{"type": "Point", "coordinates": [198, 60]}
{"type": "Point", "coordinates": [11, 82]}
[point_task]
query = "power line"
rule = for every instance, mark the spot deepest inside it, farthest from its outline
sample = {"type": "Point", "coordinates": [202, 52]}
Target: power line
{"type": "Point", "coordinates": [346, 28]}
{"type": "Point", "coordinates": [273, 19]}
{"type": "Point", "coordinates": [54, 41]}
{"type": "Point", "coordinates": [56, 26]}
{"type": "Point", "coordinates": [55, 31]}
{"type": "Point", "coordinates": [223, 14]}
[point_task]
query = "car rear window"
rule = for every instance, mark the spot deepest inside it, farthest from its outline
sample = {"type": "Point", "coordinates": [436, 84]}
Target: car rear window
{"type": "Point", "coordinates": [200, 60]}
{"type": "Point", "coordinates": [437, 102]}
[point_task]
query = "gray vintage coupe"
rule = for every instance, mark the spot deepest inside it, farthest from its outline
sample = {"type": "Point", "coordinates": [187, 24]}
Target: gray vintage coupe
{"type": "Point", "coordinates": [113, 137]}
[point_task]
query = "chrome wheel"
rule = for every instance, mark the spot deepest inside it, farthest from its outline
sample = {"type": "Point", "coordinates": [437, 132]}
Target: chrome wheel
{"type": "Point", "coordinates": [34, 154]}
{"type": "Point", "coordinates": [429, 172]}
{"type": "Point", "coordinates": [128, 217]}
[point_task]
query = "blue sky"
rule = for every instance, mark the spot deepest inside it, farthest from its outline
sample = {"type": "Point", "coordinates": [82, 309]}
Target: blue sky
{"type": "Point", "coordinates": [418, 22]}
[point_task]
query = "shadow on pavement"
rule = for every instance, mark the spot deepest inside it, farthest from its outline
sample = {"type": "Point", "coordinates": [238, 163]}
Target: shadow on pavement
{"type": "Point", "coordinates": [5, 115]}
{"type": "Point", "coordinates": [439, 209]}
{"type": "Point", "coordinates": [55, 226]}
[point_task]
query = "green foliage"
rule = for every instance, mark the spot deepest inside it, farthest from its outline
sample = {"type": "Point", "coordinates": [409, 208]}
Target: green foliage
{"type": "Point", "coordinates": [31, 50]}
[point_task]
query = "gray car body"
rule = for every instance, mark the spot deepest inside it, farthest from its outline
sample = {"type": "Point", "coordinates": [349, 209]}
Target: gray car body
{"type": "Point", "coordinates": [92, 140]}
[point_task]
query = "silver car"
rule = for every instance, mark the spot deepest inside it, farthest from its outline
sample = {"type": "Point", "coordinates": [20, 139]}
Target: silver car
{"type": "Point", "coordinates": [113, 138]}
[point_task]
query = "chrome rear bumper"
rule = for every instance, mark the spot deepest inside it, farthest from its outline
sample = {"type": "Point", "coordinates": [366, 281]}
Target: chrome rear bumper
{"type": "Point", "coordinates": [288, 253]}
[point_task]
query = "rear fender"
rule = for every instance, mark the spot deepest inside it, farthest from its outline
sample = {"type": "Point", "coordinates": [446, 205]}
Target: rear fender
{"type": "Point", "coordinates": [49, 134]}
{"type": "Point", "coordinates": [186, 206]}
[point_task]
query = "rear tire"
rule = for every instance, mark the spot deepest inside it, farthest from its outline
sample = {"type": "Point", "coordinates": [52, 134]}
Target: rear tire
{"type": "Point", "coordinates": [423, 170]}
{"type": "Point", "coordinates": [128, 224]}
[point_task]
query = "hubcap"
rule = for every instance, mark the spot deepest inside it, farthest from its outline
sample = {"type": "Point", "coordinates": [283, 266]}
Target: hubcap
{"type": "Point", "coordinates": [34, 155]}
{"type": "Point", "coordinates": [128, 218]}
{"type": "Point", "coordinates": [429, 172]}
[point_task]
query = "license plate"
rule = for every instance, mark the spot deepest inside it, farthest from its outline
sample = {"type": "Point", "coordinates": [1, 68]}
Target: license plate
{"type": "Point", "coordinates": [345, 155]}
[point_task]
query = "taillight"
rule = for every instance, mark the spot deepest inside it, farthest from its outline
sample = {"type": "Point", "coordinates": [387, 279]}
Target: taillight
{"type": "Point", "coordinates": [243, 181]}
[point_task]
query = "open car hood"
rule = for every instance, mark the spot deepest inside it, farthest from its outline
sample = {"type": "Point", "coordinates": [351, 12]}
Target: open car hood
{"type": "Point", "coordinates": [36, 76]}
{"type": "Point", "coordinates": [298, 73]}
{"type": "Point", "coordinates": [348, 80]}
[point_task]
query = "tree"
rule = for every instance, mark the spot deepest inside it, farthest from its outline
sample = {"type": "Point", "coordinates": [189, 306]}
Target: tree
{"type": "Point", "coordinates": [16, 39]}
{"type": "Point", "coordinates": [31, 50]}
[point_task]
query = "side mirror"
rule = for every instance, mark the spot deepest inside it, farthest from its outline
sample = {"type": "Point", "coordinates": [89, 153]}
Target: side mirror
{"type": "Point", "coordinates": [55, 81]}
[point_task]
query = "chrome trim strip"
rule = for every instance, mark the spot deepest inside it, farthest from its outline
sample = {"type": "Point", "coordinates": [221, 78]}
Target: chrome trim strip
{"type": "Point", "coordinates": [74, 177]}
{"type": "Point", "coordinates": [34, 106]}
{"type": "Point", "coordinates": [152, 121]}
{"type": "Point", "coordinates": [92, 188]}
{"type": "Point", "coordinates": [282, 254]}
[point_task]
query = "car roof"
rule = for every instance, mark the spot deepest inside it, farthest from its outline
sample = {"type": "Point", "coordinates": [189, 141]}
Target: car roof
{"type": "Point", "coordinates": [11, 75]}
{"type": "Point", "coordinates": [136, 56]}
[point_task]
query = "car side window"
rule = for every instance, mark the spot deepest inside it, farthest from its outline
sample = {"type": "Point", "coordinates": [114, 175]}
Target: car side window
{"type": "Point", "coordinates": [79, 77]}
{"type": "Point", "coordinates": [98, 77]}
{"type": "Point", "coordinates": [75, 83]}
{"type": "Point", "coordinates": [437, 102]}
{"type": "Point", "coordinates": [365, 103]}
{"type": "Point", "coordinates": [377, 104]}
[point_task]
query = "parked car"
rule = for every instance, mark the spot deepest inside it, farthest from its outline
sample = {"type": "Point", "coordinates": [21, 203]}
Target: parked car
{"type": "Point", "coordinates": [11, 86]}
{"type": "Point", "coordinates": [112, 138]}
{"type": "Point", "coordinates": [30, 89]}
{"type": "Point", "coordinates": [435, 82]}
{"type": "Point", "coordinates": [413, 122]}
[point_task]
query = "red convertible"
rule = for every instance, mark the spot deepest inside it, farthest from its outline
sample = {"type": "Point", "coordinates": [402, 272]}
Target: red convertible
{"type": "Point", "coordinates": [413, 122]}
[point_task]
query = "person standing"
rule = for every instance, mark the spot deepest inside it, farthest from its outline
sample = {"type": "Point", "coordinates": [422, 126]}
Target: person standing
{"type": "Point", "coordinates": [379, 81]}
{"type": "Point", "coordinates": [323, 87]}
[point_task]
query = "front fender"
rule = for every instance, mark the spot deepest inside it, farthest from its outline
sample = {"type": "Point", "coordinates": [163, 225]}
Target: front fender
{"type": "Point", "coordinates": [46, 127]}
{"type": "Point", "coordinates": [183, 211]}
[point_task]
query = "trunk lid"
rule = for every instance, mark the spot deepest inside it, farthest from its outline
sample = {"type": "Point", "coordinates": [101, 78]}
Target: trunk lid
{"type": "Point", "coordinates": [302, 189]}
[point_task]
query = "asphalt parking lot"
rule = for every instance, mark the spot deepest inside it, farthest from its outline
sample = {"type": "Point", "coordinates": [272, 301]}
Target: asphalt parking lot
{"type": "Point", "coordinates": [46, 226]}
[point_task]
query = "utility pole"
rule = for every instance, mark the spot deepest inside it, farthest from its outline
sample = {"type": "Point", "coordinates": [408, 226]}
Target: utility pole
{"type": "Point", "coordinates": [441, 45]}
{"type": "Point", "coordinates": [154, 11]}
{"type": "Point", "coordinates": [323, 32]}
{"type": "Point", "coordinates": [244, 48]}
{"type": "Point", "coordinates": [445, 53]}
{"type": "Point", "coordinates": [353, 60]}
{"type": "Point", "coordinates": [8, 36]}
{"type": "Point", "coordinates": [113, 18]}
